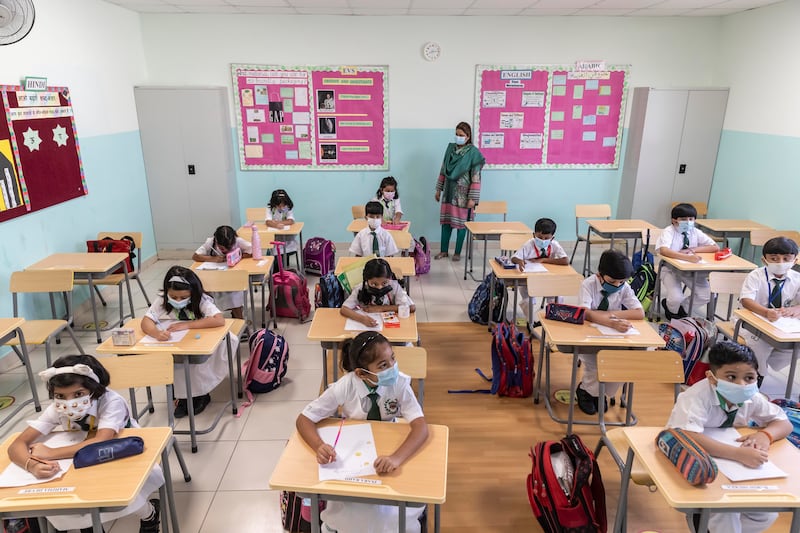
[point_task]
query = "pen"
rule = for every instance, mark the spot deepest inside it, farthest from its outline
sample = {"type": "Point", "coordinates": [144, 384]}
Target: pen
{"type": "Point", "coordinates": [336, 440]}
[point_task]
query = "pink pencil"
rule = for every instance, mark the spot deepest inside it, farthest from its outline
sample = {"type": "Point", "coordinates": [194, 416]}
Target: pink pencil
{"type": "Point", "coordinates": [336, 441]}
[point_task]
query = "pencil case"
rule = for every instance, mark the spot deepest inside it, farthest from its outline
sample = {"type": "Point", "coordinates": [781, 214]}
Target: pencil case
{"type": "Point", "coordinates": [723, 254]}
{"type": "Point", "coordinates": [109, 450]}
{"type": "Point", "coordinates": [565, 313]}
{"type": "Point", "coordinates": [691, 461]}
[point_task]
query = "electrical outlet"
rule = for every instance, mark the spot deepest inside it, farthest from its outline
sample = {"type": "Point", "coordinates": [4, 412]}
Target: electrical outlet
{"type": "Point", "coordinates": [192, 172]}
{"type": "Point", "coordinates": [681, 169]}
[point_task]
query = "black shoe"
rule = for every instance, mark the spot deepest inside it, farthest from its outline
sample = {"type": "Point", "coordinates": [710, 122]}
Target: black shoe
{"type": "Point", "coordinates": [200, 403]}
{"type": "Point", "coordinates": [586, 402]}
{"type": "Point", "coordinates": [181, 410]}
{"type": "Point", "coordinates": [667, 313]}
{"type": "Point", "coordinates": [151, 525]}
{"type": "Point", "coordinates": [681, 313]}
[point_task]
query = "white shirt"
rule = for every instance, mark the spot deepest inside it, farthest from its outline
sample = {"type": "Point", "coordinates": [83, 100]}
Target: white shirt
{"type": "Point", "coordinates": [157, 313]}
{"type": "Point", "coordinates": [591, 296]}
{"type": "Point", "coordinates": [208, 248]}
{"type": "Point", "coordinates": [110, 412]}
{"type": "Point", "coordinates": [672, 238]}
{"type": "Point", "coordinates": [390, 207]}
{"type": "Point", "coordinates": [755, 287]}
{"type": "Point", "coordinates": [275, 214]}
{"type": "Point", "coordinates": [698, 408]}
{"type": "Point", "coordinates": [397, 297]}
{"type": "Point", "coordinates": [362, 243]}
{"type": "Point", "coordinates": [350, 393]}
{"type": "Point", "coordinates": [530, 251]}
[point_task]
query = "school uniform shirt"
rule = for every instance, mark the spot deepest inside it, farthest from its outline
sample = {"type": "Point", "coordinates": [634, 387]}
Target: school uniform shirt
{"type": "Point", "coordinates": [397, 296]}
{"type": "Point", "coordinates": [590, 295]}
{"type": "Point", "coordinates": [530, 251]}
{"type": "Point", "coordinates": [278, 215]}
{"type": "Point", "coordinates": [390, 207]}
{"type": "Point", "coordinates": [759, 283]}
{"type": "Point", "coordinates": [672, 238]}
{"type": "Point", "coordinates": [205, 375]}
{"type": "Point", "coordinates": [226, 300]}
{"type": "Point", "coordinates": [362, 243]}
{"type": "Point", "coordinates": [698, 407]}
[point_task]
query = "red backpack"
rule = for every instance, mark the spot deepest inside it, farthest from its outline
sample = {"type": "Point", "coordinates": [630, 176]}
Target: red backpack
{"type": "Point", "coordinates": [107, 244]}
{"type": "Point", "coordinates": [566, 491]}
{"type": "Point", "coordinates": [291, 291]}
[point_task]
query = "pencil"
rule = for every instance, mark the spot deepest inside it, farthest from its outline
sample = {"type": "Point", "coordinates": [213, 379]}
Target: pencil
{"type": "Point", "coordinates": [336, 441]}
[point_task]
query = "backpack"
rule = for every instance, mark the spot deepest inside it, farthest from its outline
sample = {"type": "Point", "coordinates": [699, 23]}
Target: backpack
{"type": "Point", "coordinates": [478, 308]}
{"type": "Point", "coordinates": [792, 410]}
{"type": "Point", "coordinates": [690, 337]}
{"type": "Point", "coordinates": [20, 525]}
{"type": "Point", "coordinates": [265, 368]}
{"type": "Point", "coordinates": [296, 513]}
{"type": "Point", "coordinates": [565, 488]}
{"type": "Point", "coordinates": [422, 256]}
{"type": "Point", "coordinates": [643, 281]}
{"type": "Point", "coordinates": [109, 245]}
{"type": "Point", "coordinates": [319, 256]}
{"type": "Point", "coordinates": [291, 290]}
{"type": "Point", "coordinates": [328, 292]}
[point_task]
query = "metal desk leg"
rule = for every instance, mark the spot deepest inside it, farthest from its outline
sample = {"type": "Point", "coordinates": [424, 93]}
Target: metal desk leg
{"type": "Point", "coordinates": [468, 256]}
{"type": "Point", "coordinates": [94, 307]}
{"type": "Point", "coordinates": [334, 357]}
{"type": "Point", "coordinates": [273, 310]}
{"type": "Point", "coordinates": [234, 408]}
{"type": "Point", "coordinates": [401, 515]}
{"type": "Point", "coordinates": [437, 517]}
{"type": "Point", "coordinates": [190, 403]}
{"type": "Point", "coordinates": [97, 525]}
{"type": "Point", "coordinates": [792, 369]}
{"type": "Point", "coordinates": [491, 303]}
{"type": "Point", "coordinates": [251, 292]}
{"type": "Point", "coordinates": [173, 514]}
{"type": "Point", "coordinates": [324, 364]}
{"type": "Point", "coordinates": [691, 296]}
{"type": "Point", "coordinates": [27, 362]}
{"type": "Point", "coordinates": [620, 524]}
{"type": "Point", "coordinates": [130, 294]}
{"type": "Point", "coordinates": [542, 355]}
{"type": "Point", "coordinates": [572, 390]}
{"type": "Point", "coordinates": [300, 254]}
{"type": "Point", "coordinates": [315, 513]}
{"type": "Point", "coordinates": [485, 245]}
{"type": "Point", "coordinates": [795, 527]}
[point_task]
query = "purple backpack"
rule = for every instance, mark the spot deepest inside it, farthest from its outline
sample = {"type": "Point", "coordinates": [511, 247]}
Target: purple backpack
{"type": "Point", "coordinates": [422, 256]}
{"type": "Point", "coordinates": [319, 256]}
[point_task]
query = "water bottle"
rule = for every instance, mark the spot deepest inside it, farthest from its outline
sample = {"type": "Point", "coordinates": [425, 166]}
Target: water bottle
{"type": "Point", "coordinates": [256, 242]}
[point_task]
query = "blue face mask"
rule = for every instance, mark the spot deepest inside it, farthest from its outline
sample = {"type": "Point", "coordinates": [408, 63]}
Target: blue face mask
{"type": "Point", "coordinates": [386, 378]}
{"type": "Point", "coordinates": [735, 393]}
{"type": "Point", "coordinates": [459, 140]}
{"type": "Point", "coordinates": [541, 243]}
{"type": "Point", "coordinates": [178, 304]}
{"type": "Point", "coordinates": [611, 289]}
{"type": "Point", "coordinates": [685, 225]}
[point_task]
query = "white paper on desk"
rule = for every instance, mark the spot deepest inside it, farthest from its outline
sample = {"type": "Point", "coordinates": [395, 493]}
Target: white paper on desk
{"type": "Point", "coordinates": [534, 267]}
{"type": "Point", "coordinates": [355, 452]}
{"type": "Point", "coordinates": [734, 470]}
{"type": "Point", "coordinates": [692, 262]}
{"type": "Point", "coordinates": [355, 325]}
{"type": "Point", "coordinates": [175, 336]}
{"type": "Point", "coordinates": [209, 265]}
{"type": "Point", "coordinates": [785, 323]}
{"type": "Point", "coordinates": [611, 332]}
{"type": "Point", "coordinates": [15, 476]}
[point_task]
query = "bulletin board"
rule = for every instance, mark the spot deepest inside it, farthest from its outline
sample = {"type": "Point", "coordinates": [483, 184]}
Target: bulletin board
{"type": "Point", "coordinates": [40, 160]}
{"type": "Point", "coordinates": [545, 116]}
{"type": "Point", "coordinates": [312, 117]}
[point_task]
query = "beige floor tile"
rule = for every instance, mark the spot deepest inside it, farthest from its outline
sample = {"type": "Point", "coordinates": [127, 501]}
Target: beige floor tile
{"type": "Point", "coordinates": [251, 465]}
{"type": "Point", "coordinates": [207, 466]}
{"type": "Point", "coordinates": [305, 356]}
{"type": "Point", "coordinates": [447, 313]}
{"type": "Point", "coordinates": [298, 385]}
{"type": "Point", "coordinates": [228, 429]}
{"type": "Point", "coordinates": [442, 295]}
{"type": "Point", "coordinates": [244, 512]}
{"type": "Point", "coordinates": [271, 420]}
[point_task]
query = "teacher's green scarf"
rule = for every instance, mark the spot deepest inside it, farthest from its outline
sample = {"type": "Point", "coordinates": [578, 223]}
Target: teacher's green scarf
{"type": "Point", "coordinates": [460, 160]}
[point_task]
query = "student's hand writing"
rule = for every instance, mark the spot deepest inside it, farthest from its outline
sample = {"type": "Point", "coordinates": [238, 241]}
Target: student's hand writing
{"type": "Point", "coordinates": [689, 255]}
{"type": "Point", "coordinates": [369, 321]}
{"type": "Point", "coordinates": [41, 451]}
{"type": "Point", "coordinates": [793, 312]}
{"type": "Point", "coordinates": [386, 463]}
{"type": "Point", "coordinates": [162, 335]}
{"type": "Point", "coordinates": [773, 314]}
{"type": "Point", "coordinates": [620, 324]}
{"type": "Point", "coordinates": [758, 441]}
{"type": "Point", "coordinates": [325, 454]}
{"type": "Point", "coordinates": [752, 457]}
{"type": "Point", "coordinates": [43, 469]}
{"type": "Point", "coordinates": [220, 259]}
{"type": "Point", "coordinates": [178, 326]}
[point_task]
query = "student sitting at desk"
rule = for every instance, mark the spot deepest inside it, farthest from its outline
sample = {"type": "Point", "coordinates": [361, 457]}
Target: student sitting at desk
{"type": "Point", "coordinates": [729, 397]}
{"type": "Point", "coordinates": [379, 292]}
{"type": "Point", "coordinates": [389, 196]}
{"type": "Point", "coordinates": [372, 389]}
{"type": "Point", "coordinates": [280, 213]}
{"type": "Point", "coordinates": [772, 292]}
{"type": "Point", "coordinates": [373, 239]}
{"type": "Point", "coordinates": [681, 240]}
{"type": "Point", "coordinates": [215, 250]}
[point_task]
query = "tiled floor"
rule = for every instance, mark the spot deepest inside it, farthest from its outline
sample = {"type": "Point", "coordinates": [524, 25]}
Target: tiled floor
{"type": "Point", "coordinates": [230, 473]}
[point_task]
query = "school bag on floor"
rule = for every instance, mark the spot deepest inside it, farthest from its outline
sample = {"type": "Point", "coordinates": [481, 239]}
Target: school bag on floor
{"type": "Point", "coordinates": [296, 513]}
{"type": "Point", "coordinates": [792, 410]}
{"type": "Point", "coordinates": [319, 256]}
{"type": "Point", "coordinates": [478, 308]}
{"type": "Point", "coordinates": [422, 256]}
{"type": "Point", "coordinates": [291, 290]}
{"type": "Point", "coordinates": [124, 245]}
{"type": "Point", "coordinates": [565, 488]}
{"type": "Point", "coordinates": [643, 281]}
{"type": "Point", "coordinates": [328, 292]}
{"type": "Point", "coordinates": [690, 337]}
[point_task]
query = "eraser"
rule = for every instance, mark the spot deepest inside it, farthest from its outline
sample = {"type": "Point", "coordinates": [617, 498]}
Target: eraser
{"type": "Point", "coordinates": [197, 336]}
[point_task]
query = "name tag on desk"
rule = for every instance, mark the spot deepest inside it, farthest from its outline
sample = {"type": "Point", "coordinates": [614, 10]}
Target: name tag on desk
{"type": "Point", "coordinates": [49, 490]}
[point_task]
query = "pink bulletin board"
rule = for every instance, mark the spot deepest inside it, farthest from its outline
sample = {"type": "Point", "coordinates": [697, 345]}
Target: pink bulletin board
{"type": "Point", "coordinates": [311, 118]}
{"type": "Point", "coordinates": [511, 124]}
{"type": "Point", "coordinates": [40, 160]}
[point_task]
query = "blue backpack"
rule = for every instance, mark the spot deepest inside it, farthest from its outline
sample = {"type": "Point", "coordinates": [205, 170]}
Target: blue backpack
{"type": "Point", "coordinates": [478, 308]}
{"type": "Point", "coordinates": [328, 292]}
{"type": "Point", "coordinates": [792, 410]}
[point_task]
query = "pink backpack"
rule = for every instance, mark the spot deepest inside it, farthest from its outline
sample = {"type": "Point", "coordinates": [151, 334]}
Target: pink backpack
{"type": "Point", "coordinates": [291, 291]}
{"type": "Point", "coordinates": [422, 256]}
{"type": "Point", "coordinates": [319, 256]}
{"type": "Point", "coordinates": [267, 365]}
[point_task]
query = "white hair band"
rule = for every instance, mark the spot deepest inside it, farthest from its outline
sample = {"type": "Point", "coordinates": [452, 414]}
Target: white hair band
{"type": "Point", "coordinates": [79, 369]}
{"type": "Point", "coordinates": [179, 279]}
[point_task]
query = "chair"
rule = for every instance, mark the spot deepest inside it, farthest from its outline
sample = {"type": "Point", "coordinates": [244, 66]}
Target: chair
{"type": "Point", "coordinates": [511, 242]}
{"type": "Point", "coordinates": [588, 211]}
{"type": "Point", "coordinates": [402, 239]}
{"type": "Point", "coordinates": [759, 236]}
{"type": "Point", "coordinates": [729, 283]}
{"type": "Point", "coordinates": [492, 207]}
{"type": "Point", "coordinates": [358, 212]}
{"type": "Point", "coordinates": [258, 214]}
{"type": "Point", "coordinates": [38, 332]}
{"type": "Point", "coordinates": [413, 360]}
{"type": "Point", "coordinates": [255, 214]}
{"type": "Point", "coordinates": [118, 280]}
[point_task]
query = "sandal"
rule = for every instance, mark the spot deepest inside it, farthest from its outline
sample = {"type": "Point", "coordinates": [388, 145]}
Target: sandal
{"type": "Point", "coordinates": [440, 255]}
{"type": "Point", "coordinates": [456, 257]}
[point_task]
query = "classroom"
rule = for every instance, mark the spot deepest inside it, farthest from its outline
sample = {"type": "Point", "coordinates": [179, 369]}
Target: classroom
{"type": "Point", "coordinates": [101, 50]}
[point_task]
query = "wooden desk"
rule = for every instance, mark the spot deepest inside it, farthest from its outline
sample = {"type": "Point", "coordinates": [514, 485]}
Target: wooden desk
{"type": "Point", "coordinates": [690, 500]}
{"type": "Point", "coordinates": [486, 231]}
{"type": "Point", "coordinates": [106, 487]}
{"type": "Point", "coordinates": [327, 328]}
{"type": "Point", "coordinates": [401, 266]}
{"type": "Point", "coordinates": [732, 264]}
{"type": "Point", "coordinates": [421, 480]}
{"type": "Point", "coordinates": [729, 228]}
{"type": "Point", "coordinates": [573, 337]}
{"type": "Point", "coordinates": [260, 272]}
{"type": "Point", "coordinates": [358, 224]}
{"type": "Point", "coordinates": [774, 336]}
{"type": "Point", "coordinates": [182, 351]}
{"type": "Point", "coordinates": [89, 266]}
{"type": "Point", "coordinates": [613, 229]}
{"type": "Point", "coordinates": [267, 234]}
{"type": "Point", "coordinates": [10, 328]}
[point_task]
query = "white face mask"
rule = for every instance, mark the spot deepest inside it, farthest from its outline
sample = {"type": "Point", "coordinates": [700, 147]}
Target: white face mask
{"type": "Point", "coordinates": [388, 195]}
{"type": "Point", "coordinates": [74, 409]}
{"type": "Point", "coordinates": [374, 223]}
{"type": "Point", "coordinates": [779, 269]}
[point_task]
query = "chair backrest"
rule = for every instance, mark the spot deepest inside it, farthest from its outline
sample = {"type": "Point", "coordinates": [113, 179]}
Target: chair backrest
{"type": "Point", "coordinates": [543, 285]}
{"type": "Point", "coordinates": [635, 366]}
{"type": "Point", "coordinates": [726, 283]}
{"type": "Point", "coordinates": [137, 240]}
{"type": "Point", "coordinates": [759, 236]}
{"type": "Point", "coordinates": [130, 371]}
{"type": "Point", "coordinates": [701, 207]}
{"type": "Point", "coordinates": [41, 281]}
{"type": "Point", "coordinates": [413, 361]}
{"type": "Point", "coordinates": [595, 211]}
{"type": "Point", "coordinates": [511, 242]}
{"type": "Point", "coordinates": [401, 238]}
{"type": "Point", "coordinates": [255, 214]}
{"type": "Point", "coordinates": [358, 212]}
{"type": "Point", "coordinates": [223, 280]}
{"type": "Point", "coordinates": [655, 234]}
{"type": "Point", "coordinates": [492, 207]}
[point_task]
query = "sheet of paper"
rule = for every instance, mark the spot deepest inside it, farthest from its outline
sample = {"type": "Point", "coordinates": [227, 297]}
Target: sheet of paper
{"type": "Point", "coordinates": [535, 267]}
{"type": "Point", "coordinates": [354, 325]}
{"type": "Point", "coordinates": [175, 336]}
{"type": "Point", "coordinates": [691, 262]}
{"type": "Point", "coordinates": [15, 476]}
{"type": "Point", "coordinates": [734, 470]}
{"type": "Point", "coordinates": [355, 452]}
{"type": "Point", "coordinates": [784, 323]}
{"type": "Point", "coordinates": [208, 265]}
{"type": "Point", "coordinates": [611, 332]}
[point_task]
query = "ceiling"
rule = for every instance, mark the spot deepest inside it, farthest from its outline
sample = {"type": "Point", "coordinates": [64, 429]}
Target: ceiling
{"type": "Point", "coordinates": [606, 8]}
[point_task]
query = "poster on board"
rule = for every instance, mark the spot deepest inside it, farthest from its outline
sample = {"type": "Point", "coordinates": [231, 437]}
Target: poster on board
{"type": "Point", "coordinates": [311, 117]}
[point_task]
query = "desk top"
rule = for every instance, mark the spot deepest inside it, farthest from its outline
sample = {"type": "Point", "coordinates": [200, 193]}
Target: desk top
{"type": "Point", "coordinates": [7, 325]}
{"type": "Point", "coordinates": [423, 478]}
{"type": "Point", "coordinates": [250, 265]}
{"type": "Point", "coordinates": [620, 225]}
{"type": "Point", "coordinates": [732, 264]}
{"type": "Point", "coordinates": [358, 224]}
{"type": "Point", "coordinates": [80, 262]}
{"type": "Point", "coordinates": [585, 334]}
{"type": "Point", "coordinates": [514, 273]}
{"type": "Point", "coordinates": [113, 484]}
{"type": "Point", "coordinates": [680, 495]}
{"type": "Point", "coordinates": [724, 224]}
{"type": "Point", "coordinates": [765, 327]}
{"type": "Point", "coordinates": [328, 326]}
{"type": "Point", "coordinates": [401, 266]}
{"type": "Point", "coordinates": [496, 228]}
{"type": "Point", "coordinates": [189, 345]}
{"type": "Point", "coordinates": [263, 230]}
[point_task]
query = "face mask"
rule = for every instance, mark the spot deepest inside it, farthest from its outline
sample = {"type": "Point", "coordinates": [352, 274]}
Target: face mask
{"type": "Point", "coordinates": [685, 225]}
{"type": "Point", "coordinates": [178, 304]}
{"type": "Point", "coordinates": [374, 223]}
{"type": "Point", "coordinates": [735, 393]}
{"type": "Point", "coordinates": [379, 293]}
{"type": "Point", "coordinates": [386, 378]}
{"type": "Point", "coordinates": [388, 195]}
{"type": "Point", "coordinates": [459, 140]}
{"type": "Point", "coordinates": [779, 269]}
{"type": "Point", "coordinates": [541, 243]}
{"type": "Point", "coordinates": [74, 409]}
{"type": "Point", "coordinates": [611, 289]}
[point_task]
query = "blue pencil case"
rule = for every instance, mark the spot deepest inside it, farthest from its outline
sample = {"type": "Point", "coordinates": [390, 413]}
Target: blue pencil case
{"type": "Point", "coordinates": [109, 450]}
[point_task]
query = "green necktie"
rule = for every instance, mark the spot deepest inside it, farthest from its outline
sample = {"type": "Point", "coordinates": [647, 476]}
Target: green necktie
{"type": "Point", "coordinates": [730, 416]}
{"type": "Point", "coordinates": [775, 298]}
{"type": "Point", "coordinates": [542, 253]}
{"type": "Point", "coordinates": [375, 248]}
{"type": "Point", "coordinates": [685, 240]}
{"type": "Point", "coordinates": [604, 302]}
{"type": "Point", "coordinates": [374, 410]}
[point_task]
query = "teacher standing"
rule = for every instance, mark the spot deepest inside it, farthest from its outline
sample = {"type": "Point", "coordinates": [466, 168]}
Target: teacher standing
{"type": "Point", "coordinates": [458, 187]}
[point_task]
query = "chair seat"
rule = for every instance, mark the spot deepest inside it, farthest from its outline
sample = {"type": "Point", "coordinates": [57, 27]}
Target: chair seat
{"type": "Point", "coordinates": [38, 331]}
{"type": "Point", "coordinates": [727, 328]}
{"type": "Point", "coordinates": [111, 279]}
{"type": "Point", "coordinates": [638, 474]}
